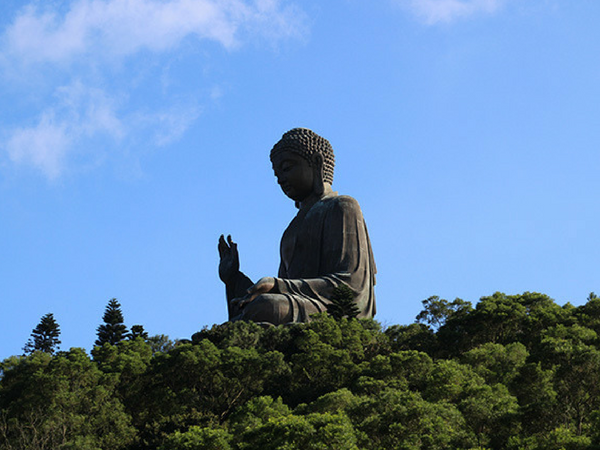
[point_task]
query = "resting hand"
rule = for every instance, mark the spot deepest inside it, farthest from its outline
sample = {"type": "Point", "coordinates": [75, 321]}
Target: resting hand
{"type": "Point", "coordinates": [264, 285]}
{"type": "Point", "coordinates": [230, 259]}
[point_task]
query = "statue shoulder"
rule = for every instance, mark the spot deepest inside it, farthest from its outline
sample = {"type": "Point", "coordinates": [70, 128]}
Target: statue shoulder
{"type": "Point", "coordinates": [343, 203]}
{"type": "Point", "coordinates": [346, 200]}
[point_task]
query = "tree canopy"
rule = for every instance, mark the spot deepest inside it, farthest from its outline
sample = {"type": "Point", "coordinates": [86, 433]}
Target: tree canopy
{"type": "Point", "coordinates": [512, 372]}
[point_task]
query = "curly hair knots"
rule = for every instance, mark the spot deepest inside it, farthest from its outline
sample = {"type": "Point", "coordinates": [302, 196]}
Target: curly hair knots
{"type": "Point", "coordinates": [306, 143]}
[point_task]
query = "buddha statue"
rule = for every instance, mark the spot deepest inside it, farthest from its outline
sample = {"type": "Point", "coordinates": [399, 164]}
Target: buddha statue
{"type": "Point", "coordinates": [325, 246]}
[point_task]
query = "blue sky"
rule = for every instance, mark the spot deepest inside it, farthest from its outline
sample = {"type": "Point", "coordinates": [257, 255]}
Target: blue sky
{"type": "Point", "coordinates": [135, 132]}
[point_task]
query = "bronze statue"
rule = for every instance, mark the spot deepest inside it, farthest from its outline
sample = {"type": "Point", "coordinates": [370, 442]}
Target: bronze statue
{"type": "Point", "coordinates": [325, 246]}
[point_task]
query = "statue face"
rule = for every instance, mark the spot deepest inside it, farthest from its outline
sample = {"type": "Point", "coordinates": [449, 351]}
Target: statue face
{"type": "Point", "coordinates": [294, 175]}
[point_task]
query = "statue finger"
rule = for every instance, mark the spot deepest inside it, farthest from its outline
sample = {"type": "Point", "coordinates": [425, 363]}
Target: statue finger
{"type": "Point", "coordinates": [232, 245]}
{"type": "Point", "coordinates": [222, 246]}
{"type": "Point", "coordinates": [242, 301]}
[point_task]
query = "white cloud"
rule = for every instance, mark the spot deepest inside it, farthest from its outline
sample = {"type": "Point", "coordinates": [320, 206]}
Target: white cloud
{"type": "Point", "coordinates": [438, 11]}
{"type": "Point", "coordinates": [79, 113]}
{"type": "Point", "coordinates": [123, 27]}
{"type": "Point", "coordinates": [82, 113]}
{"type": "Point", "coordinates": [50, 46]}
{"type": "Point", "coordinates": [43, 146]}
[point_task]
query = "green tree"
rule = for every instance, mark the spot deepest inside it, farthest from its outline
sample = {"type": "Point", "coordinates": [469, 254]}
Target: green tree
{"type": "Point", "coordinates": [256, 412]}
{"type": "Point", "coordinates": [198, 438]}
{"type": "Point", "coordinates": [60, 402]}
{"type": "Point", "coordinates": [490, 411]}
{"type": "Point", "coordinates": [113, 330]}
{"type": "Point", "coordinates": [534, 388]}
{"type": "Point", "coordinates": [588, 315]}
{"type": "Point", "coordinates": [560, 438]}
{"type": "Point", "coordinates": [416, 336]}
{"type": "Point", "coordinates": [128, 359]}
{"type": "Point", "coordinates": [406, 369]}
{"type": "Point", "coordinates": [516, 372]}
{"type": "Point", "coordinates": [497, 363]}
{"type": "Point", "coordinates": [232, 334]}
{"type": "Point", "coordinates": [436, 311]}
{"type": "Point", "coordinates": [327, 357]}
{"type": "Point", "coordinates": [400, 419]}
{"type": "Point", "coordinates": [500, 319]}
{"type": "Point", "coordinates": [576, 364]}
{"type": "Point", "coordinates": [160, 343]}
{"type": "Point", "coordinates": [200, 385]}
{"type": "Point", "coordinates": [44, 336]}
{"type": "Point", "coordinates": [342, 303]}
{"type": "Point", "coordinates": [311, 432]}
{"type": "Point", "coordinates": [138, 331]}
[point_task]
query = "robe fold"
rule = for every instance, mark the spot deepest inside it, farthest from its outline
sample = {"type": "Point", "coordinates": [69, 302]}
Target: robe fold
{"type": "Point", "coordinates": [325, 246]}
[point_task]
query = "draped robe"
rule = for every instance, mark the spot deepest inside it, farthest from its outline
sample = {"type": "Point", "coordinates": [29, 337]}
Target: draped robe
{"type": "Point", "coordinates": [325, 246]}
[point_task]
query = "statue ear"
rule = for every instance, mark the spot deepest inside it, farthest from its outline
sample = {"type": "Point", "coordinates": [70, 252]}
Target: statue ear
{"type": "Point", "coordinates": [317, 164]}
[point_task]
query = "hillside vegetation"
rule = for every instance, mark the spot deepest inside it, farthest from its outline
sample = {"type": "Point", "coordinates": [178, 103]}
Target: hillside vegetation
{"type": "Point", "coordinates": [513, 372]}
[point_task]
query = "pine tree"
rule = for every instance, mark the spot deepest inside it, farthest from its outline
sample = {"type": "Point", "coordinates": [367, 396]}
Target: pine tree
{"type": "Point", "coordinates": [138, 331]}
{"type": "Point", "coordinates": [342, 303]}
{"type": "Point", "coordinates": [44, 337]}
{"type": "Point", "coordinates": [113, 330]}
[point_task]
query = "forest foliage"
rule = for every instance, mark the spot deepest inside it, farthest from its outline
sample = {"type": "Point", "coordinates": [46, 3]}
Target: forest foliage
{"type": "Point", "coordinates": [511, 372]}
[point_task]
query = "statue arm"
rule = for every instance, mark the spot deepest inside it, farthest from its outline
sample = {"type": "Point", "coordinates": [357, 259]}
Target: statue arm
{"type": "Point", "coordinates": [236, 282]}
{"type": "Point", "coordinates": [238, 286]}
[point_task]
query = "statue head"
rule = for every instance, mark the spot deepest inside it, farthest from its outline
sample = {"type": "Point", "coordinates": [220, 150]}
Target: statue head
{"type": "Point", "coordinates": [312, 147]}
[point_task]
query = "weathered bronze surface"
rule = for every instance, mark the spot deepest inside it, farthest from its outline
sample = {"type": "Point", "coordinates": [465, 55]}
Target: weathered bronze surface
{"type": "Point", "coordinates": [325, 246]}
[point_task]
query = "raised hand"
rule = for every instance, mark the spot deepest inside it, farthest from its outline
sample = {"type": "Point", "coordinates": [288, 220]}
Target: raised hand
{"type": "Point", "coordinates": [229, 265]}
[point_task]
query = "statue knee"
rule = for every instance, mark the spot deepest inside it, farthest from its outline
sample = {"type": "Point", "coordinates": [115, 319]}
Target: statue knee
{"type": "Point", "coordinates": [272, 308]}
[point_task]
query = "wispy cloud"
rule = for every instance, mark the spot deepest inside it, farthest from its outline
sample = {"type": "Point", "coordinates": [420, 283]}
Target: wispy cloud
{"type": "Point", "coordinates": [440, 11]}
{"type": "Point", "coordinates": [75, 41]}
{"type": "Point", "coordinates": [78, 113]}
{"type": "Point", "coordinates": [123, 27]}
{"type": "Point", "coordinates": [168, 125]}
{"type": "Point", "coordinates": [43, 146]}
